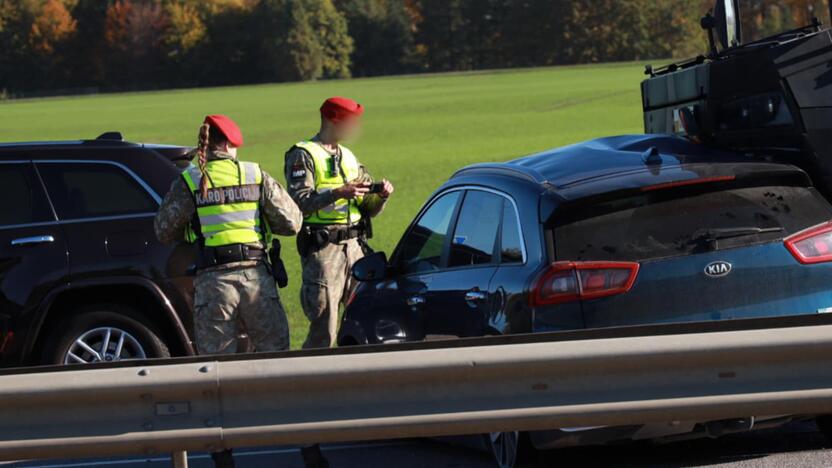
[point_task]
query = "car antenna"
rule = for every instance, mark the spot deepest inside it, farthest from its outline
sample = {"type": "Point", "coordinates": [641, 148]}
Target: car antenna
{"type": "Point", "coordinates": [651, 156]}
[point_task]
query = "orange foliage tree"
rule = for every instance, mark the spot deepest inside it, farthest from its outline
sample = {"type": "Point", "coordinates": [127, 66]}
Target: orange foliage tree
{"type": "Point", "coordinates": [52, 25]}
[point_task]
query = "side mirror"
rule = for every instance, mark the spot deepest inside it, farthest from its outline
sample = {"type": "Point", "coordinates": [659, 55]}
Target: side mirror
{"type": "Point", "coordinates": [728, 25]}
{"type": "Point", "coordinates": [685, 122]}
{"type": "Point", "coordinates": [371, 268]}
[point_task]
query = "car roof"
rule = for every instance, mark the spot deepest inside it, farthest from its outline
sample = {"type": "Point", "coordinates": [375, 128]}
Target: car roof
{"type": "Point", "coordinates": [628, 162]}
{"type": "Point", "coordinates": [112, 139]}
{"type": "Point", "coordinates": [154, 164]}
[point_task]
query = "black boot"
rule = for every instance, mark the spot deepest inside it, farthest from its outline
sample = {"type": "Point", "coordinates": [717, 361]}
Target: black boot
{"type": "Point", "coordinates": [313, 457]}
{"type": "Point", "coordinates": [224, 459]}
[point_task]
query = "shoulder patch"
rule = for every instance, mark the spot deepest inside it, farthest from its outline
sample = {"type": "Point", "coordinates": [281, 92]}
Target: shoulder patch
{"type": "Point", "coordinates": [298, 171]}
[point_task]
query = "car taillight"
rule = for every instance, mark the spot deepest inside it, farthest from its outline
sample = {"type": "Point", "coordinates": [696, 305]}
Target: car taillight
{"type": "Point", "coordinates": [813, 245]}
{"type": "Point", "coordinates": [572, 281]}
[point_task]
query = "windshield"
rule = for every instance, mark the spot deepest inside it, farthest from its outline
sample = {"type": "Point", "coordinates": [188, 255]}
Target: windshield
{"type": "Point", "coordinates": [668, 224]}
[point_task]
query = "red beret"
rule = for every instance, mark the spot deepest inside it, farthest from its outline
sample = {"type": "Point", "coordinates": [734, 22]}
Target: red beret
{"type": "Point", "coordinates": [227, 127]}
{"type": "Point", "coordinates": [338, 109]}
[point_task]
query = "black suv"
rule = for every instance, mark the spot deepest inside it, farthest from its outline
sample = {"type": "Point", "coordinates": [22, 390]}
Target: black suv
{"type": "Point", "coordinates": [82, 276]}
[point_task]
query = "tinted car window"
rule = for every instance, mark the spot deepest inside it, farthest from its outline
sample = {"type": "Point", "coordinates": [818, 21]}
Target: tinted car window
{"type": "Point", "coordinates": [511, 250]}
{"type": "Point", "coordinates": [24, 200]}
{"type": "Point", "coordinates": [476, 230]}
{"type": "Point", "coordinates": [423, 245]}
{"type": "Point", "coordinates": [660, 225]}
{"type": "Point", "coordinates": [91, 190]}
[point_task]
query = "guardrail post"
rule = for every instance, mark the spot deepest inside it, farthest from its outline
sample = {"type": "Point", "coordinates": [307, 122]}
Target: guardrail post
{"type": "Point", "coordinates": [179, 459]}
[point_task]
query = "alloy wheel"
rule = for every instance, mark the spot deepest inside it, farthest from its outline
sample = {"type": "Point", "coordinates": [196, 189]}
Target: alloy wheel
{"type": "Point", "coordinates": [104, 344]}
{"type": "Point", "coordinates": [504, 448]}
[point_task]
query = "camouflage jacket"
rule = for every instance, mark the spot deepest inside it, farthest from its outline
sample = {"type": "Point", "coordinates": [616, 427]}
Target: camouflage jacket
{"type": "Point", "coordinates": [178, 209]}
{"type": "Point", "coordinates": [300, 179]}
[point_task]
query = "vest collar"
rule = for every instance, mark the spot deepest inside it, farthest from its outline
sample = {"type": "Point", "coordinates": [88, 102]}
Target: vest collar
{"type": "Point", "coordinates": [216, 155]}
{"type": "Point", "coordinates": [317, 139]}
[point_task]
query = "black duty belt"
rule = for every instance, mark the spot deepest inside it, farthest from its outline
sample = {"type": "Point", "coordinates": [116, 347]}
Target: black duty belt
{"type": "Point", "coordinates": [216, 256]}
{"type": "Point", "coordinates": [333, 234]}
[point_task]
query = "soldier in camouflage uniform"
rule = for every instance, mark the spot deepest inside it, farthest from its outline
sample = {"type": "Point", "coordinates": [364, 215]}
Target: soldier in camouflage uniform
{"type": "Point", "coordinates": [332, 190]}
{"type": "Point", "coordinates": [230, 209]}
{"type": "Point", "coordinates": [234, 291]}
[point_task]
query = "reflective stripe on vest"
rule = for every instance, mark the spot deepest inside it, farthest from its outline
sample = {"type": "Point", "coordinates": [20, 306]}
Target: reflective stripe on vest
{"type": "Point", "coordinates": [342, 211]}
{"type": "Point", "coordinates": [230, 212]}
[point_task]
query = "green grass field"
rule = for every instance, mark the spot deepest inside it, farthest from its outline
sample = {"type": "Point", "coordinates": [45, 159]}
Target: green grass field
{"type": "Point", "coordinates": [418, 130]}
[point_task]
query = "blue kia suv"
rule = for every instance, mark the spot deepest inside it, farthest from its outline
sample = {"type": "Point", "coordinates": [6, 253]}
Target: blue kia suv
{"type": "Point", "coordinates": [619, 231]}
{"type": "Point", "coordinates": [629, 230]}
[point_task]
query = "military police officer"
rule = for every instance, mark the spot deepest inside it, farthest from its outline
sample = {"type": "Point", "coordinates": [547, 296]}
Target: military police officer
{"type": "Point", "coordinates": [230, 209]}
{"type": "Point", "coordinates": [337, 197]}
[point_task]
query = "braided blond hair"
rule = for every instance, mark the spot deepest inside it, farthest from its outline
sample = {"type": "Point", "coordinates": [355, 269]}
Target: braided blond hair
{"type": "Point", "coordinates": [202, 154]}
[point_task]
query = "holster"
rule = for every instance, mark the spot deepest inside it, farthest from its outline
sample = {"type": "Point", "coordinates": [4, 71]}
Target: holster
{"type": "Point", "coordinates": [281, 276]}
{"type": "Point", "coordinates": [312, 239]}
{"type": "Point", "coordinates": [364, 238]}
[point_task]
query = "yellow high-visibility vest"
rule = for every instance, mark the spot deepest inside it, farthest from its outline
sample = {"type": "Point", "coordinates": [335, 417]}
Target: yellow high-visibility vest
{"type": "Point", "coordinates": [230, 213]}
{"type": "Point", "coordinates": [342, 211]}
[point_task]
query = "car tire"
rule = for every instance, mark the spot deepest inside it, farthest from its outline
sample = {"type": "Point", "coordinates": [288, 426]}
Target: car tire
{"type": "Point", "coordinates": [824, 424]}
{"type": "Point", "coordinates": [80, 338]}
{"type": "Point", "coordinates": [503, 447]}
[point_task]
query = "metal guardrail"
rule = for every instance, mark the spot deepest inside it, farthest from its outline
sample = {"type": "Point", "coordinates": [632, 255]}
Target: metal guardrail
{"type": "Point", "coordinates": [418, 392]}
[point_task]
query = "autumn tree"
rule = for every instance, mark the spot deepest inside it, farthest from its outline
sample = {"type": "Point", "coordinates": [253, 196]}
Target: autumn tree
{"type": "Point", "coordinates": [51, 26]}
{"type": "Point", "coordinates": [229, 52]}
{"type": "Point", "coordinates": [116, 44]}
{"type": "Point", "coordinates": [185, 33]}
{"type": "Point", "coordinates": [134, 34]}
{"type": "Point", "coordinates": [302, 40]}
{"type": "Point", "coordinates": [383, 34]}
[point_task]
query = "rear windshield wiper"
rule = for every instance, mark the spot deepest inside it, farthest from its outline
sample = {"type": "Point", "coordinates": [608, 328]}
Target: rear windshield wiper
{"type": "Point", "coordinates": [729, 233]}
{"type": "Point", "coordinates": [709, 238]}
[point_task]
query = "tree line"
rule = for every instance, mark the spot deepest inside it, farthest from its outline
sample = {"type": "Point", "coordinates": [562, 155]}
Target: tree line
{"type": "Point", "coordinates": [101, 45]}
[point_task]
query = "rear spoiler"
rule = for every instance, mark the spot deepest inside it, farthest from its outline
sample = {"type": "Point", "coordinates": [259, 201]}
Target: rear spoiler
{"type": "Point", "coordinates": [684, 177]}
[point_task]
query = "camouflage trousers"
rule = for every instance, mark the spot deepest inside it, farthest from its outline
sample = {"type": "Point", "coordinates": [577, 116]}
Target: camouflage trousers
{"type": "Point", "coordinates": [235, 301]}
{"type": "Point", "coordinates": [327, 283]}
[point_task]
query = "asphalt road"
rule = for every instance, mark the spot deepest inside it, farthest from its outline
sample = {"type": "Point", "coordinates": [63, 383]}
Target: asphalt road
{"type": "Point", "coordinates": [795, 447]}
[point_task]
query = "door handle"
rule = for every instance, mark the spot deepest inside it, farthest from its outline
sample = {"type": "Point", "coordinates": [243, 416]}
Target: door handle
{"type": "Point", "coordinates": [32, 240]}
{"type": "Point", "coordinates": [414, 301]}
{"type": "Point", "coordinates": [475, 296]}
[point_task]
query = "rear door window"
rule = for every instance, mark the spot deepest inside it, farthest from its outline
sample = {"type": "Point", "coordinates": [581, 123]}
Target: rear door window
{"type": "Point", "coordinates": [475, 237]}
{"type": "Point", "coordinates": [90, 190]}
{"type": "Point", "coordinates": [658, 225]}
{"type": "Point", "coordinates": [24, 200]}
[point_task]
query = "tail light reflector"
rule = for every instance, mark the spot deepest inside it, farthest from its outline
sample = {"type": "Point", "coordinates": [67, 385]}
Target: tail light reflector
{"type": "Point", "coordinates": [573, 281]}
{"type": "Point", "coordinates": [813, 245]}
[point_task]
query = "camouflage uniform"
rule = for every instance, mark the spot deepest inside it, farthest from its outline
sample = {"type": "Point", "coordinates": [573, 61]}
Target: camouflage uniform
{"type": "Point", "coordinates": [327, 277]}
{"type": "Point", "coordinates": [238, 297]}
